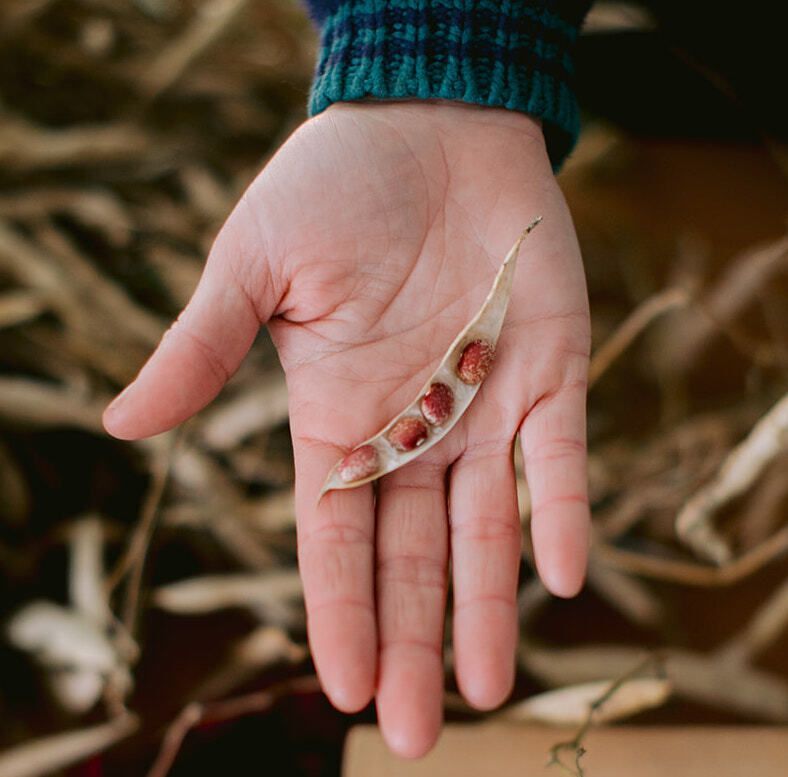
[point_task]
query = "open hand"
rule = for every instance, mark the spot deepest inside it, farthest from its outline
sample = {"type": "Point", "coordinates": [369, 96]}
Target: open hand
{"type": "Point", "coordinates": [365, 245]}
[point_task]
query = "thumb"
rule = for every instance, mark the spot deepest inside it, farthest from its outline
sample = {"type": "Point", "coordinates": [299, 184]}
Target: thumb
{"type": "Point", "coordinates": [208, 341]}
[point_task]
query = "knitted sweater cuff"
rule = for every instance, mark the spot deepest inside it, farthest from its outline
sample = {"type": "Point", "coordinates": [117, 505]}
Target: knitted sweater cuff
{"type": "Point", "coordinates": [501, 53]}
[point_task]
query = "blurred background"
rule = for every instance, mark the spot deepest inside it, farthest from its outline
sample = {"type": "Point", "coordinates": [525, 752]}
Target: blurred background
{"type": "Point", "coordinates": [152, 620]}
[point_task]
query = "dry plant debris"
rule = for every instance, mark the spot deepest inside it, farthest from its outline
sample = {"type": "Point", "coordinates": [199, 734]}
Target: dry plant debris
{"type": "Point", "coordinates": [572, 705]}
{"type": "Point", "coordinates": [767, 440]}
{"type": "Point", "coordinates": [127, 132]}
{"type": "Point", "coordinates": [624, 695]}
{"type": "Point", "coordinates": [56, 752]}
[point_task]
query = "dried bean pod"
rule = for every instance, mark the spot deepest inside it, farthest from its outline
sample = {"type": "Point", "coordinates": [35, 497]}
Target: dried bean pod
{"type": "Point", "coordinates": [460, 374]}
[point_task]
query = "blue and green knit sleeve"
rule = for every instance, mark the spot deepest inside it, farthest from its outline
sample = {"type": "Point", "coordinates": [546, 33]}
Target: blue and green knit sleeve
{"type": "Point", "coordinates": [513, 54]}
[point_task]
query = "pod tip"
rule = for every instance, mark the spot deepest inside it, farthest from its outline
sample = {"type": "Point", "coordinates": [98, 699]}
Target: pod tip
{"type": "Point", "coordinates": [532, 226]}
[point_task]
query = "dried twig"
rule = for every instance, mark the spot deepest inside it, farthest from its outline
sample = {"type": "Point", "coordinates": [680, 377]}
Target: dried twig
{"type": "Point", "coordinates": [97, 208]}
{"type": "Point", "coordinates": [765, 510]}
{"type": "Point", "coordinates": [662, 474]}
{"type": "Point", "coordinates": [43, 756]}
{"type": "Point", "coordinates": [26, 147]}
{"type": "Point", "coordinates": [743, 465]}
{"type": "Point", "coordinates": [688, 573]}
{"type": "Point", "coordinates": [87, 570]}
{"type": "Point", "coordinates": [575, 704]}
{"type": "Point", "coordinates": [709, 679]}
{"type": "Point", "coordinates": [132, 563]}
{"type": "Point", "coordinates": [211, 21]}
{"type": "Point", "coordinates": [31, 266]}
{"type": "Point", "coordinates": [17, 307]}
{"type": "Point", "coordinates": [633, 325]}
{"type": "Point", "coordinates": [596, 708]}
{"type": "Point", "coordinates": [109, 302]}
{"type": "Point", "coordinates": [214, 712]}
{"type": "Point", "coordinates": [73, 643]}
{"type": "Point", "coordinates": [199, 474]}
{"type": "Point", "coordinates": [686, 336]}
{"type": "Point", "coordinates": [35, 403]}
{"type": "Point", "coordinates": [266, 646]}
{"type": "Point", "coordinates": [256, 409]}
{"type": "Point", "coordinates": [769, 621]}
{"type": "Point", "coordinates": [271, 593]}
{"type": "Point", "coordinates": [627, 594]}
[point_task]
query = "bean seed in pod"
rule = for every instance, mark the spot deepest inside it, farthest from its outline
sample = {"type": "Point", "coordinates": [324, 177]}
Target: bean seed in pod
{"type": "Point", "coordinates": [475, 362]}
{"type": "Point", "coordinates": [437, 405]}
{"type": "Point", "coordinates": [407, 434]}
{"type": "Point", "coordinates": [359, 464]}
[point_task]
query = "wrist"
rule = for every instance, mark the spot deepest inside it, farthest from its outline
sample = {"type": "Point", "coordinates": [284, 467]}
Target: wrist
{"type": "Point", "coordinates": [511, 56]}
{"type": "Point", "coordinates": [450, 113]}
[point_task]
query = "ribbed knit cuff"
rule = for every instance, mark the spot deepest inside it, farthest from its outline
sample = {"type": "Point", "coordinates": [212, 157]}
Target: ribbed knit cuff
{"type": "Point", "coordinates": [501, 53]}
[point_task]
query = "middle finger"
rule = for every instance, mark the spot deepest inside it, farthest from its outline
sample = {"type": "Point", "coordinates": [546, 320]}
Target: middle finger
{"type": "Point", "coordinates": [412, 556]}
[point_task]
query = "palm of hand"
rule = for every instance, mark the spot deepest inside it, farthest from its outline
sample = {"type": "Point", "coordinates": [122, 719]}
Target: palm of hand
{"type": "Point", "coordinates": [382, 227]}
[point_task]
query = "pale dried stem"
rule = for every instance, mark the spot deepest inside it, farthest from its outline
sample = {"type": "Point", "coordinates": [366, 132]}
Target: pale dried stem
{"type": "Point", "coordinates": [71, 353]}
{"type": "Point", "coordinates": [206, 27]}
{"type": "Point", "coordinates": [35, 403]}
{"type": "Point", "coordinates": [198, 713]}
{"type": "Point", "coordinates": [627, 594]}
{"type": "Point", "coordinates": [89, 308]}
{"type": "Point", "coordinates": [689, 573]}
{"type": "Point", "coordinates": [633, 325]}
{"type": "Point", "coordinates": [686, 336]}
{"type": "Point", "coordinates": [743, 465]}
{"type": "Point", "coordinates": [206, 194]}
{"type": "Point", "coordinates": [179, 272]}
{"type": "Point", "coordinates": [708, 679]}
{"type": "Point", "coordinates": [765, 509]}
{"type": "Point", "coordinates": [86, 570]}
{"type": "Point", "coordinates": [763, 629]}
{"type": "Point", "coordinates": [108, 301]}
{"type": "Point", "coordinates": [189, 717]}
{"type": "Point", "coordinates": [571, 705]}
{"type": "Point", "coordinates": [274, 512]}
{"type": "Point", "coordinates": [265, 647]}
{"type": "Point", "coordinates": [18, 307]}
{"type": "Point", "coordinates": [659, 475]}
{"type": "Point", "coordinates": [256, 409]}
{"type": "Point", "coordinates": [97, 208]}
{"type": "Point", "coordinates": [575, 745]}
{"type": "Point", "coordinates": [233, 534]}
{"type": "Point", "coordinates": [196, 472]}
{"type": "Point", "coordinates": [32, 267]}
{"type": "Point", "coordinates": [258, 591]}
{"type": "Point", "coordinates": [57, 752]}
{"type": "Point", "coordinates": [132, 563]}
{"type": "Point", "coordinates": [26, 147]}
